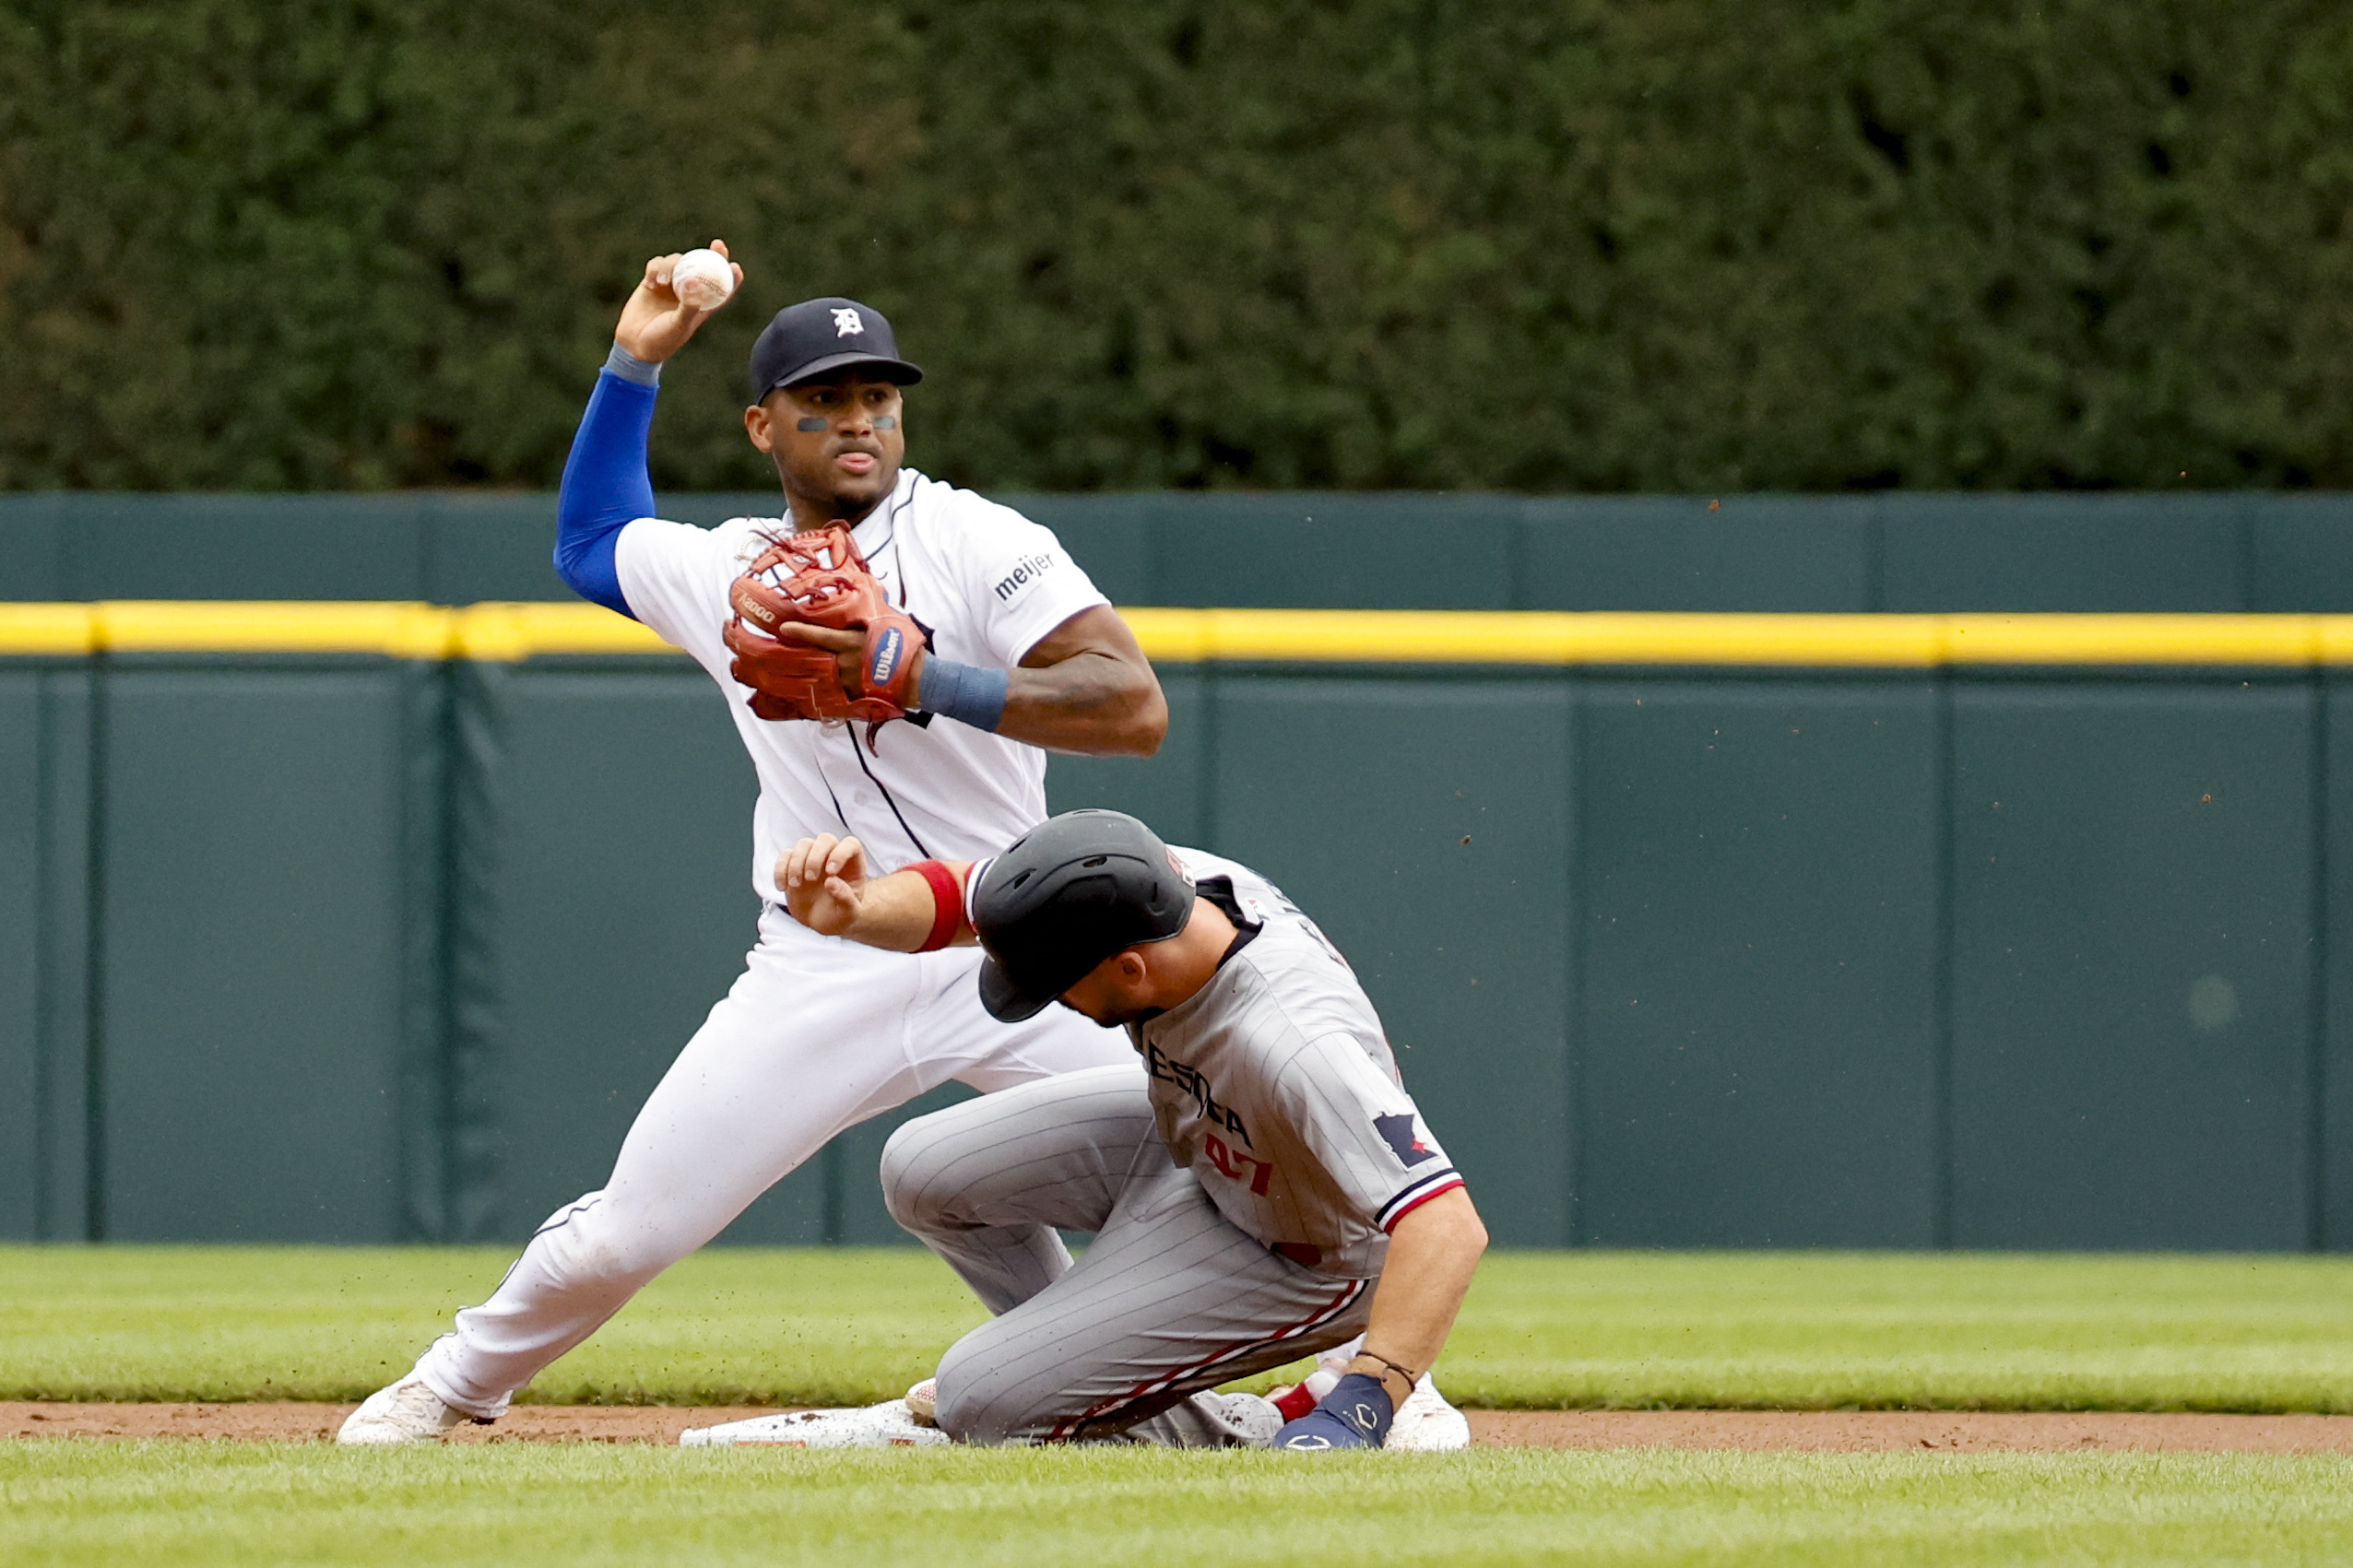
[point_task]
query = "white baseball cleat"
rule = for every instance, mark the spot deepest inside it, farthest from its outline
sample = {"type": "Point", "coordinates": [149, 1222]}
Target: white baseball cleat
{"type": "Point", "coordinates": [923, 1402]}
{"type": "Point", "coordinates": [887, 1425]}
{"type": "Point", "coordinates": [406, 1411]}
{"type": "Point", "coordinates": [1426, 1423]}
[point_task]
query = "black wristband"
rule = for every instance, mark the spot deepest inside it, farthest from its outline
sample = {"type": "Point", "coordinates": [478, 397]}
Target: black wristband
{"type": "Point", "coordinates": [1407, 1373]}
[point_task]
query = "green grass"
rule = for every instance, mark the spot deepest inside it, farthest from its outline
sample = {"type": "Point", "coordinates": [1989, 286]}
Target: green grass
{"type": "Point", "coordinates": [1791, 1329]}
{"type": "Point", "coordinates": [1804, 1331]}
{"type": "Point", "coordinates": [1786, 1329]}
{"type": "Point", "coordinates": [584, 1505]}
{"type": "Point", "coordinates": [820, 1326]}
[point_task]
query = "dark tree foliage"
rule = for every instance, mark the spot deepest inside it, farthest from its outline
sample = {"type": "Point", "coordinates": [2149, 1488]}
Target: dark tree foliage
{"type": "Point", "coordinates": [1587, 244]}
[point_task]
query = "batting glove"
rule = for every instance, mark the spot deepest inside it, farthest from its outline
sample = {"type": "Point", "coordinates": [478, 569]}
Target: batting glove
{"type": "Point", "coordinates": [1355, 1414]}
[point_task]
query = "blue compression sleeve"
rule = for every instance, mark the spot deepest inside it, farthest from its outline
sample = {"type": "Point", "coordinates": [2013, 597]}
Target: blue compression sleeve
{"type": "Point", "coordinates": [605, 482]}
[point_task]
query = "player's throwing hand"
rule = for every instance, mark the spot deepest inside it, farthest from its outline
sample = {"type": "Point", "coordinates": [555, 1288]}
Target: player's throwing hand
{"type": "Point", "coordinates": [655, 323]}
{"type": "Point", "coordinates": [820, 878]}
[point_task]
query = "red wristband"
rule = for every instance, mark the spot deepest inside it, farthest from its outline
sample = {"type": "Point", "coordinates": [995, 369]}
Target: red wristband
{"type": "Point", "coordinates": [948, 904]}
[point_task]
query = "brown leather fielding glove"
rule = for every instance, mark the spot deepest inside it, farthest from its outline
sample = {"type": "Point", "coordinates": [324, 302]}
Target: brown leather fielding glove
{"type": "Point", "coordinates": [819, 579]}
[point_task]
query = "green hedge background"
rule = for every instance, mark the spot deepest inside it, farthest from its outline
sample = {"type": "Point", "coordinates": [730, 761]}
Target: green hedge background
{"type": "Point", "coordinates": [1577, 244]}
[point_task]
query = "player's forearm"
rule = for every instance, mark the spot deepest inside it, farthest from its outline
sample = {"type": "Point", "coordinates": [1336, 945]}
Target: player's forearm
{"type": "Point", "coordinates": [900, 912]}
{"type": "Point", "coordinates": [605, 482]}
{"type": "Point", "coordinates": [1093, 703]}
{"type": "Point", "coordinates": [893, 912]}
{"type": "Point", "coordinates": [1432, 1254]}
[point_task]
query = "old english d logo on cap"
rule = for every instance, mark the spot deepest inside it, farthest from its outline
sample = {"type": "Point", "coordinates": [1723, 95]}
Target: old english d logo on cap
{"type": "Point", "coordinates": [819, 337]}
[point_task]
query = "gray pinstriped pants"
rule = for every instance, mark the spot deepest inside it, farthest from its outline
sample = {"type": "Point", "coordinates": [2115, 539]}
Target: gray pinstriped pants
{"type": "Point", "coordinates": [1171, 1299]}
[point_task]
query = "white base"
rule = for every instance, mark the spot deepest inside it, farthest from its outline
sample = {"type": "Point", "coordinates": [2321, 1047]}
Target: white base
{"type": "Point", "coordinates": [886, 1425]}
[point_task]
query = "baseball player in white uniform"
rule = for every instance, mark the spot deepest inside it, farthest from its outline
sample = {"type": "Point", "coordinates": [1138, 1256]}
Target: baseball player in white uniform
{"type": "Point", "coordinates": [818, 1034]}
{"type": "Point", "coordinates": [1248, 1190]}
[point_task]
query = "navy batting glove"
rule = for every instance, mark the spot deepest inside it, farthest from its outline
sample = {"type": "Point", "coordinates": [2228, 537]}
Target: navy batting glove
{"type": "Point", "coordinates": [1355, 1414]}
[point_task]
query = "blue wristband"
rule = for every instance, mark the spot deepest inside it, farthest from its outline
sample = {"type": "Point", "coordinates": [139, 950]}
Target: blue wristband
{"type": "Point", "coordinates": [1355, 1414]}
{"type": "Point", "coordinates": [966, 694]}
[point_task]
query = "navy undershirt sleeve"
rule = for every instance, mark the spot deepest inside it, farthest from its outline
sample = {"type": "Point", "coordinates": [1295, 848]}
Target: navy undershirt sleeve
{"type": "Point", "coordinates": [605, 487]}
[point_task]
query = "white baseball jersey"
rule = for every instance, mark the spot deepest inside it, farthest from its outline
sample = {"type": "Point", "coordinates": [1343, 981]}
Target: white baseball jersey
{"type": "Point", "coordinates": [1276, 1085]}
{"type": "Point", "coordinates": [987, 582]}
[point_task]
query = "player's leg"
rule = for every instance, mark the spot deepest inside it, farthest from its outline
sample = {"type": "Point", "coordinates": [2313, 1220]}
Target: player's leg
{"type": "Point", "coordinates": [803, 1046]}
{"type": "Point", "coordinates": [1171, 1300]}
{"type": "Point", "coordinates": [986, 1183]}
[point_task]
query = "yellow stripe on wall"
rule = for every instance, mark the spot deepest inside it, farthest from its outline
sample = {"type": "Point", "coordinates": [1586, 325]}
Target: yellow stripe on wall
{"type": "Point", "coordinates": [171, 626]}
{"type": "Point", "coordinates": [506, 631]}
{"type": "Point", "coordinates": [1188, 636]}
{"type": "Point", "coordinates": [47, 628]}
{"type": "Point", "coordinates": [516, 631]}
{"type": "Point", "coordinates": [494, 631]}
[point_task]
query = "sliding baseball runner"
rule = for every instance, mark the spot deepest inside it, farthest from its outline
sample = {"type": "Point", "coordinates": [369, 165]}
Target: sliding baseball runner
{"type": "Point", "coordinates": [895, 652]}
{"type": "Point", "coordinates": [1265, 1189]}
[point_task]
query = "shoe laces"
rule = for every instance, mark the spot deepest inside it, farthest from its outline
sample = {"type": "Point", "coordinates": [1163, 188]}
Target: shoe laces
{"type": "Point", "coordinates": [415, 1399]}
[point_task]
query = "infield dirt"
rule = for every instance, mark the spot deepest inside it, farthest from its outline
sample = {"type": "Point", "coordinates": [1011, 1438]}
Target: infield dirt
{"type": "Point", "coordinates": [1800, 1431]}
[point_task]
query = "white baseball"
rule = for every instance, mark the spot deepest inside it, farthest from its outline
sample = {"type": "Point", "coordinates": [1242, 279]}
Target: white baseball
{"type": "Point", "coordinates": [702, 279]}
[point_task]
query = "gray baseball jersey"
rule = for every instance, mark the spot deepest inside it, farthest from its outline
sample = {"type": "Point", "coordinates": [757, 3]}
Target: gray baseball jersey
{"type": "Point", "coordinates": [1275, 1084]}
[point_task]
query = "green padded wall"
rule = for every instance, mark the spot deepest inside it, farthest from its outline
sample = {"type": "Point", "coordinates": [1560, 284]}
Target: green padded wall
{"type": "Point", "coordinates": [62, 965]}
{"type": "Point", "coordinates": [474, 548]}
{"type": "Point", "coordinates": [2133, 919]}
{"type": "Point", "coordinates": [1781, 553]}
{"type": "Point", "coordinates": [2300, 554]}
{"type": "Point", "coordinates": [20, 919]}
{"type": "Point", "coordinates": [610, 840]}
{"type": "Point", "coordinates": [1424, 826]}
{"type": "Point", "coordinates": [1731, 957]}
{"type": "Point", "coordinates": [239, 547]}
{"type": "Point", "coordinates": [29, 548]}
{"type": "Point", "coordinates": [1165, 789]}
{"type": "Point", "coordinates": [2062, 552]}
{"type": "Point", "coordinates": [1759, 922]}
{"type": "Point", "coordinates": [2332, 1118]}
{"type": "Point", "coordinates": [1895, 550]}
{"type": "Point", "coordinates": [250, 973]}
{"type": "Point", "coordinates": [44, 928]}
{"type": "Point", "coordinates": [1326, 551]}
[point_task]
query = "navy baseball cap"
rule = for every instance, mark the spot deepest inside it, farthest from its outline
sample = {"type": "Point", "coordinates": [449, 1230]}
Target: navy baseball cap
{"type": "Point", "coordinates": [1071, 892]}
{"type": "Point", "coordinates": [818, 336]}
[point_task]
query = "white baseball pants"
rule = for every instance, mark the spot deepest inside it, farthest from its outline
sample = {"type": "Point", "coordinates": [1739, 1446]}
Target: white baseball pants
{"type": "Point", "coordinates": [816, 1035]}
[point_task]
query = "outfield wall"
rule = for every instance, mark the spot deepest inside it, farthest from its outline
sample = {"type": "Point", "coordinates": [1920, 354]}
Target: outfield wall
{"type": "Point", "coordinates": [370, 922]}
{"type": "Point", "coordinates": [1895, 552]}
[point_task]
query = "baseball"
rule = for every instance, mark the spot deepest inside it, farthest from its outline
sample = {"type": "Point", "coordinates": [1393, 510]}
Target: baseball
{"type": "Point", "coordinates": [702, 279]}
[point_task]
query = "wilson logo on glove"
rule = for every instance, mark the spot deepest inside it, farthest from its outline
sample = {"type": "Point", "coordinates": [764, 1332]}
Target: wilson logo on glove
{"type": "Point", "coordinates": [886, 659]}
